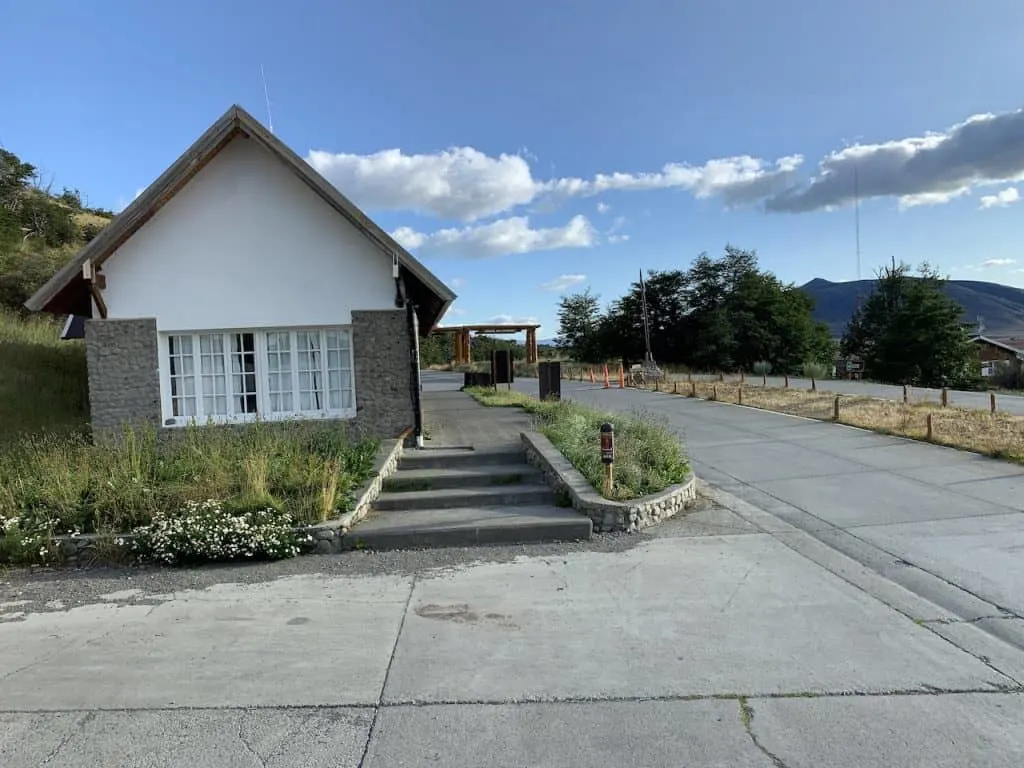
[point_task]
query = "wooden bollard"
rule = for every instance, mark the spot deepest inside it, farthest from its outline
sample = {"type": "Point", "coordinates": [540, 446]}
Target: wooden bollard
{"type": "Point", "coordinates": [928, 433]}
{"type": "Point", "coordinates": [992, 402]}
{"type": "Point", "coordinates": [835, 409]}
{"type": "Point", "coordinates": [743, 376]}
{"type": "Point", "coordinates": [739, 394]}
{"type": "Point", "coordinates": [814, 385]}
{"type": "Point", "coordinates": [714, 391]}
{"type": "Point", "coordinates": [764, 380]}
{"type": "Point", "coordinates": [693, 388]}
{"type": "Point", "coordinates": [675, 387]}
{"type": "Point", "coordinates": [905, 399]}
{"type": "Point", "coordinates": [787, 381]}
{"type": "Point", "coordinates": [945, 397]}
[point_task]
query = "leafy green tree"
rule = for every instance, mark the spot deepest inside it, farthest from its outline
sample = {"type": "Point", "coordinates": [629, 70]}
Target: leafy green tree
{"type": "Point", "coordinates": [579, 315]}
{"type": "Point", "coordinates": [908, 331]}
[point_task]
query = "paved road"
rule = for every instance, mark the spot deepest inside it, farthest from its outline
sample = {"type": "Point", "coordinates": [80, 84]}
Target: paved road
{"type": "Point", "coordinates": [713, 641]}
{"type": "Point", "coordinates": [944, 523]}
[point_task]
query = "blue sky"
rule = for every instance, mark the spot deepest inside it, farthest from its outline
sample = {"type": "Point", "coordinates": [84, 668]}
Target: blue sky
{"type": "Point", "coordinates": [521, 147]}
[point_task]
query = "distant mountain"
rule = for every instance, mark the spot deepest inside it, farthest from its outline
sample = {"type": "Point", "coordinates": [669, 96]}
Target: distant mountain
{"type": "Point", "coordinates": [1001, 306]}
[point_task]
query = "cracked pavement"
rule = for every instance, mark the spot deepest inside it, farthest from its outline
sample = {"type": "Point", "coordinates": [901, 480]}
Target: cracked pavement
{"type": "Point", "coordinates": [711, 642]}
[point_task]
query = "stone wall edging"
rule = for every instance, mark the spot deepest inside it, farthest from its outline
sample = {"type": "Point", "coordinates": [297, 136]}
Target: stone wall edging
{"type": "Point", "coordinates": [606, 515]}
{"type": "Point", "coordinates": [321, 538]}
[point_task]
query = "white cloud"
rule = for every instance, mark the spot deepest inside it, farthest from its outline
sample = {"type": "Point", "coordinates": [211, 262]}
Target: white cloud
{"type": "Point", "coordinates": [460, 183]}
{"type": "Point", "coordinates": [513, 320]}
{"type": "Point", "coordinates": [499, 238]}
{"type": "Point", "coordinates": [121, 203]}
{"type": "Point", "coordinates": [603, 207]}
{"type": "Point", "coordinates": [989, 263]}
{"type": "Point", "coordinates": [457, 282]}
{"type": "Point", "coordinates": [454, 311]}
{"type": "Point", "coordinates": [562, 282]}
{"type": "Point", "coordinates": [613, 239]}
{"type": "Point", "coordinates": [1000, 199]}
{"type": "Point", "coordinates": [922, 170]}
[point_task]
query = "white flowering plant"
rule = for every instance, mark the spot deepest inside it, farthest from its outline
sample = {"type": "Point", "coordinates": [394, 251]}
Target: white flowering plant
{"type": "Point", "coordinates": [207, 531]}
{"type": "Point", "coordinates": [27, 540]}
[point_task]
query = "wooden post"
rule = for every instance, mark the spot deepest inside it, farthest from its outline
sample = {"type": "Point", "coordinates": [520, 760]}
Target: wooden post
{"type": "Point", "coordinates": [905, 399]}
{"type": "Point", "coordinates": [743, 376]}
{"type": "Point", "coordinates": [992, 402]}
{"type": "Point", "coordinates": [764, 380]}
{"type": "Point", "coordinates": [928, 434]}
{"type": "Point", "coordinates": [814, 385]}
{"type": "Point", "coordinates": [714, 391]}
{"type": "Point", "coordinates": [787, 381]}
{"type": "Point", "coordinates": [675, 387]}
{"type": "Point", "coordinates": [945, 397]}
{"type": "Point", "coordinates": [835, 409]}
{"type": "Point", "coordinates": [693, 388]}
{"type": "Point", "coordinates": [739, 394]}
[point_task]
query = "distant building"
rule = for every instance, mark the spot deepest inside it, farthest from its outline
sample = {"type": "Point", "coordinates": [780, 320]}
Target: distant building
{"type": "Point", "coordinates": [996, 352]}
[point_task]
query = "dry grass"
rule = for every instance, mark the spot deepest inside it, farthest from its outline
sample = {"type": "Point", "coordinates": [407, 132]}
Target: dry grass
{"type": "Point", "coordinates": [998, 435]}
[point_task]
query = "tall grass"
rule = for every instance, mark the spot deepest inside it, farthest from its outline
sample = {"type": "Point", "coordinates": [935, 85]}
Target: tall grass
{"type": "Point", "coordinates": [43, 383]}
{"type": "Point", "coordinates": [649, 457]}
{"type": "Point", "coordinates": [308, 470]}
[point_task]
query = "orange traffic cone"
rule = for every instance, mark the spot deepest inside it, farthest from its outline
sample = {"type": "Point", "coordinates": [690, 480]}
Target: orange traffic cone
{"type": "Point", "coordinates": [591, 375]}
{"type": "Point", "coordinates": [622, 378]}
{"type": "Point", "coordinates": [607, 383]}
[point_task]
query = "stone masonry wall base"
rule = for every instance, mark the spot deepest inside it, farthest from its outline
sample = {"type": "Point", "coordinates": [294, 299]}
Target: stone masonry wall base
{"type": "Point", "coordinates": [607, 515]}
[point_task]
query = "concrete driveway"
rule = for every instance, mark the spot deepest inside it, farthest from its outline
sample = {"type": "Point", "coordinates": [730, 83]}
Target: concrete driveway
{"type": "Point", "coordinates": [946, 524]}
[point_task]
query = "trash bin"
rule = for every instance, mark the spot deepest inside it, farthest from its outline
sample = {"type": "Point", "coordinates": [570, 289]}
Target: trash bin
{"type": "Point", "coordinates": [550, 374]}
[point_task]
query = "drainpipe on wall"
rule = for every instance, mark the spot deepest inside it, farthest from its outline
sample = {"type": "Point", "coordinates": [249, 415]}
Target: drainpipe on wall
{"type": "Point", "coordinates": [401, 299]}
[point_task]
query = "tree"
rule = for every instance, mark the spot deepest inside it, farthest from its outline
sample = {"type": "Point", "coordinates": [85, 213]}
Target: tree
{"type": "Point", "coordinates": [579, 316]}
{"type": "Point", "coordinates": [908, 331]}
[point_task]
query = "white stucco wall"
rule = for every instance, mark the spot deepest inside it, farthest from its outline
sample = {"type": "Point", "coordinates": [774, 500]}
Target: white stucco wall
{"type": "Point", "coordinates": [246, 244]}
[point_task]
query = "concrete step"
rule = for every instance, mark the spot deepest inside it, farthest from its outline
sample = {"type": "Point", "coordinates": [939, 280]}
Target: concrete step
{"type": "Point", "coordinates": [469, 526]}
{"type": "Point", "coordinates": [436, 458]}
{"type": "Point", "coordinates": [472, 476]}
{"type": "Point", "coordinates": [517, 494]}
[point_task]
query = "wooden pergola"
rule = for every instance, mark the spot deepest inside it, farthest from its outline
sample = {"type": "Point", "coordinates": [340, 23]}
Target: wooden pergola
{"type": "Point", "coordinates": [461, 338]}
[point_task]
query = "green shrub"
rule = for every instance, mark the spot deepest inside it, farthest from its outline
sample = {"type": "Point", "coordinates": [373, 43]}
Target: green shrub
{"type": "Point", "coordinates": [814, 370]}
{"type": "Point", "coordinates": [762, 367]}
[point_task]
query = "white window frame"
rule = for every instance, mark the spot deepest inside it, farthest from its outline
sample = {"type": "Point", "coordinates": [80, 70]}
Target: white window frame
{"type": "Point", "coordinates": [264, 412]}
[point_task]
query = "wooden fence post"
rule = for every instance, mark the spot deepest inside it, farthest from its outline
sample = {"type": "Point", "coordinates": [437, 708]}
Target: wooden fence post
{"type": "Point", "coordinates": [992, 402]}
{"type": "Point", "coordinates": [787, 381]}
{"type": "Point", "coordinates": [675, 387]}
{"type": "Point", "coordinates": [835, 409]}
{"type": "Point", "coordinates": [693, 388]}
{"type": "Point", "coordinates": [714, 391]}
{"type": "Point", "coordinates": [945, 397]}
{"type": "Point", "coordinates": [905, 393]}
{"type": "Point", "coordinates": [721, 376]}
{"type": "Point", "coordinates": [814, 385]}
{"type": "Point", "coordinates": [764, 380]}
{"type": "Point", "coordinates": [928, 435]}
{"type": "Point", "coordinates": [739, 394]}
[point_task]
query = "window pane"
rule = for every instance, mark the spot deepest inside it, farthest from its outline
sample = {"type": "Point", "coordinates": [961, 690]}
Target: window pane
{"type": "Point", "coordinates": [181, 368]}
{"type": "Point", "coordinates": [339, 364]}
{"type": "Point", "coordinates": [243, 369]}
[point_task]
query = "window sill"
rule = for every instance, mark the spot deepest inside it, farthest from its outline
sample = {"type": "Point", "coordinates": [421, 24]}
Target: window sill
{"type": "Point", "coordinates": [182, 421]}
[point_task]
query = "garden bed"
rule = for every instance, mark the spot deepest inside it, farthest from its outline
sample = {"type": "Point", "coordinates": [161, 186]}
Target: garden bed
{"type": "Point", "coordinates": [649, 457]}
{"type": "Point", "coordinates": [202, 493]}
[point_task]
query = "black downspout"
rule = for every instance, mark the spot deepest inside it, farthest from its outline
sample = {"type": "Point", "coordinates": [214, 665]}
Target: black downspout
{"type": "Point", "coordinates": [414, 371]}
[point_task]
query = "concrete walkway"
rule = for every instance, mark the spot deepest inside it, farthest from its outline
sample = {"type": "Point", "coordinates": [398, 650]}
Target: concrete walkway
{"type": "Point", "coordinates": [946, 524]}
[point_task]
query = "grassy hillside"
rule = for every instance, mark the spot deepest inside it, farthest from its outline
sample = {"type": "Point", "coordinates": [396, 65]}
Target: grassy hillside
{"type": "Point", "coordinates": [1001, 306]}
{"type": "Point", "coordinates": [42, 379]}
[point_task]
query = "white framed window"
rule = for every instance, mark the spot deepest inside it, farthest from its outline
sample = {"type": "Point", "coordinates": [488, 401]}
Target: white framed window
{"type": "Point", "coordinates": [230, 376]}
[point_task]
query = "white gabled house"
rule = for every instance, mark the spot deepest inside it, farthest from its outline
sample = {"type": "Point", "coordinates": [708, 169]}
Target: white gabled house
{"type": "Point", "coordinates": [241, 285]}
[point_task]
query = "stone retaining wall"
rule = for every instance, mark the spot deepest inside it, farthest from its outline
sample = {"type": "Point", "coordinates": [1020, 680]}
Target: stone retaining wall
{"type": "Point", "coordinates": [607, 515]}
{"type": "Point", "coordinates": [323, 538]}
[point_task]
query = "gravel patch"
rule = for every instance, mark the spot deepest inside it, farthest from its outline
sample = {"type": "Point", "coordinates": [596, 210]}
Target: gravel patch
{"type": "Point", "coordinates": [30, 590]}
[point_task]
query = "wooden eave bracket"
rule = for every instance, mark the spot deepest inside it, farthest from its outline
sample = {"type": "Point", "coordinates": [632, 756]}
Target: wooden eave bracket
{"type": "Point", "coordinates": [97, 282]}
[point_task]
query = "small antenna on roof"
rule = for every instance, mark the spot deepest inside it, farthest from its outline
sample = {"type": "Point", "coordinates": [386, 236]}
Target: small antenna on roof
{"type": "Point", "coordinates": [266, 96]}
